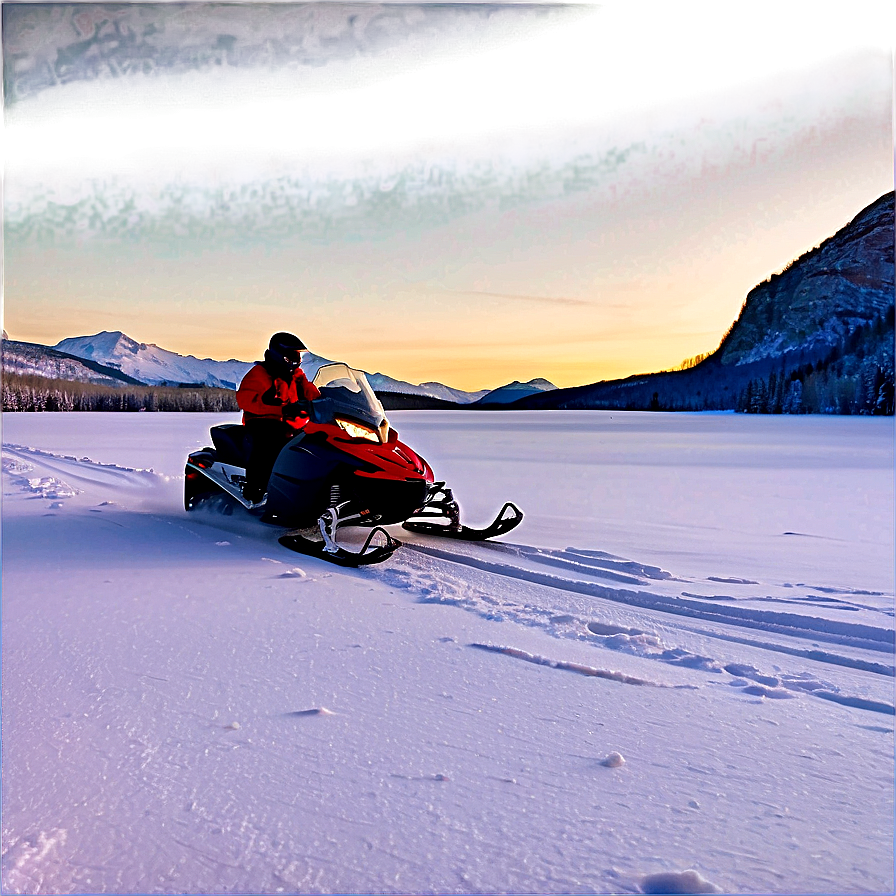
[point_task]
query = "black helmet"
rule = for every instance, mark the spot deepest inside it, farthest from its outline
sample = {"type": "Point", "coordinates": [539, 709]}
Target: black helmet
{"type": "Point", "coordinates": [284, 353]}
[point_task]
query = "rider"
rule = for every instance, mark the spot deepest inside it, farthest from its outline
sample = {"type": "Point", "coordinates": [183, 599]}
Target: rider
{"type": "Point", "coordinates": [275, 398]}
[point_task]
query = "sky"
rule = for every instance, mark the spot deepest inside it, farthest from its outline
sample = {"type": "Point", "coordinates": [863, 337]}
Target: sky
{"type": "Point", "coordinates": [468, 193]}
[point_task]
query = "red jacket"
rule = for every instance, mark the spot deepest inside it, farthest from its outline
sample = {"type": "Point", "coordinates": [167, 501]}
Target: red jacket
{"type": "Point", "coordinates": [262, 395]}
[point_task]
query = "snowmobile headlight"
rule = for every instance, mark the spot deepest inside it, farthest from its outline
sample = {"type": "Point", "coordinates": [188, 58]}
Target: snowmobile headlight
{"type": "Point", "coordinates": [358, 430]}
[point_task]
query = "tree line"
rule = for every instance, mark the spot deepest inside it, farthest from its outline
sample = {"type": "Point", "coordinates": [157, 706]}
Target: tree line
{"type": "Point", "coordinates": [855, 377]}
{"type": "Point", "coordinates": [25, 392]}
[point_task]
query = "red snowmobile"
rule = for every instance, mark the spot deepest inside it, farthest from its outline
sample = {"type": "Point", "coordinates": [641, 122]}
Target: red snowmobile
{"type": "Point", "coordinates": [347, 467]}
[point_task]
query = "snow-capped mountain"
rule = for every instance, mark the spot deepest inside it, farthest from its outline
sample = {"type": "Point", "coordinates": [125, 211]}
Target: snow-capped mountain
{"type": "Point", "coordinates": [516, 390]}
{"type": "Point", "coordinates": [31, 359]}
{"type": "Point", "coordinates": [151, 364]}
{"type": "Point", "coordinates": [383, 383]}
{"type": "Point", "coordinates": [154, 365]}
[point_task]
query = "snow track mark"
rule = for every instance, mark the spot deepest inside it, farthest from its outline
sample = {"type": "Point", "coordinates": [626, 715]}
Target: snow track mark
{"type": "Point", "coordinates": [498, 595]}
{"type": "Point", "coordinates": [579, 668]}
{"type": "Point", "coordinates": [19, 460]}
{"type": "Point", "coordinates": [866, 637]}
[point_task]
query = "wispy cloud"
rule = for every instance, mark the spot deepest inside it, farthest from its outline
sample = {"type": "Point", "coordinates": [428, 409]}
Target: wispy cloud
{"type": "Point", "coordinates": [425, 288]}
{"type": "Point", "coordinates": [520, 297]}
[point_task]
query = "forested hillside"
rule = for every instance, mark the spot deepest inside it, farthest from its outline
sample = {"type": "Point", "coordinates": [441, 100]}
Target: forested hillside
{"type": "Point", "coordinates": [816, 338]}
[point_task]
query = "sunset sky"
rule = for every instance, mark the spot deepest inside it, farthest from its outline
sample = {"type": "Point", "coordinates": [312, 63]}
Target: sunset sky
{"type": "Point", "coordinates": [473, 194]}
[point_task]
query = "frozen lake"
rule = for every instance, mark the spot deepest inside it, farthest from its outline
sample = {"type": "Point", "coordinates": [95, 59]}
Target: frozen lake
{"type": "Point", "coordinates": [753, 494]}
{"type": "Point", "coordinates": [189, 707]}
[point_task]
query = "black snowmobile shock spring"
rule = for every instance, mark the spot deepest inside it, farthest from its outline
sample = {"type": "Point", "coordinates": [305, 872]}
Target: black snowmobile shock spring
{"type": "Point", "coordinates": [334, 494]}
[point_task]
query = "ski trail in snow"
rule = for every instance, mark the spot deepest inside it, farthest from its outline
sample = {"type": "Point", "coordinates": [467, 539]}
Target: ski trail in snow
{"type": "Point", "coordinates": [74, 485]}
{"type": "Point", "coordinates": [20, 460]}
{"type": "Point", "coordinates": [498, 595]}
{"type": "Point", "coordinates": [794, 625]}
{"type": "Point", "coordinates": [579, 668]}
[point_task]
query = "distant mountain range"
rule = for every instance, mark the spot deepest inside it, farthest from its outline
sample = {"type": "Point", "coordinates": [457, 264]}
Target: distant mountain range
{"type": "Point", "coordinates": [513, 392]}
{"type": "Point", "coordinates": [816, 338]}
{"type": "Point", "coordinates": [147, 363]}
{"type": "Point", "coordinates": [113, 358]}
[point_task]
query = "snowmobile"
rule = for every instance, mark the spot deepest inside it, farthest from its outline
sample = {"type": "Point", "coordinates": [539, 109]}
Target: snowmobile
{"type": "Point", "coordinates": [346, 467]}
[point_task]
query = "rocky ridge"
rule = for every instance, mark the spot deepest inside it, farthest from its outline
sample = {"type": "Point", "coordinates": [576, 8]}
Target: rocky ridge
{"type": "Point", "coordinates": [816, 338]}
{"type": "Point", "coordinates": [822, 297]}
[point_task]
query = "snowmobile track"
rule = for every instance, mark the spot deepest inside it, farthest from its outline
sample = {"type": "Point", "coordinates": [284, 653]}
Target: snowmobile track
{"type": "Point", "coordinates": [815, 628]}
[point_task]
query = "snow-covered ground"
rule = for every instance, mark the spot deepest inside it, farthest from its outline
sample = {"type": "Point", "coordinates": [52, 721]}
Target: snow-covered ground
{"type": "Point", "coordinates": [190, 708]}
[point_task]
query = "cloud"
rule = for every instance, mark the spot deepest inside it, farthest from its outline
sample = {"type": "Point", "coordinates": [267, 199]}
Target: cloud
{"type": "Point", "coordinates": [518, 297]}
{"type": "Point", "coordinates": [163, 100]}
{"type": "Point", "coordinates": [430, 289]}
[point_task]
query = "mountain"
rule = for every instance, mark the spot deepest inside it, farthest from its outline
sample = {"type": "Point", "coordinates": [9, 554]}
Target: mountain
{"type": "Point", "coordinates": [113, 358]}
{"type": "Point", "coordinates": [822, 297]}
{"type": "Point", "coordinates": [150, 364]}
{"type": "Point", "coordinates": [818, 337]}
{"type": "Point", "coordinates": [382, 383]}
{"type": "Point", "coordinates": [31, 359]}
{"type": "Point", "coordinates": [514, 391]}
{"type": "Point", "coordinates": [429, 394]}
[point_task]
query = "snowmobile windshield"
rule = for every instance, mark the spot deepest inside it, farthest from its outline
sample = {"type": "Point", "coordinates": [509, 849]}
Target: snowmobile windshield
{"type": "Point", "coordinates": [345, 392]}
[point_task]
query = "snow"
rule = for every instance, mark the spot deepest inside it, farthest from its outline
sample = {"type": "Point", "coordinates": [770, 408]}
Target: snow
{"type": "Point", "coordinates": [188, 707]}
{"type": "Point", "coordinates": [614, 760]}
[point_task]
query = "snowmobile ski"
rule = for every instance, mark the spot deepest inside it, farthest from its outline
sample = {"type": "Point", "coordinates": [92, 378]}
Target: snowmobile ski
{"type": "Point", "coordinates": [440, 504]}
{"type": "Point", "coordinates": [329, 549]}
{"type": "Point", "coordinates": [295, 541]}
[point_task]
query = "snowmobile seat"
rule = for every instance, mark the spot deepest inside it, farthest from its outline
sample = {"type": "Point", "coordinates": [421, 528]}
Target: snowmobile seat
{"type": "Point", "coordinates": [230, 443]}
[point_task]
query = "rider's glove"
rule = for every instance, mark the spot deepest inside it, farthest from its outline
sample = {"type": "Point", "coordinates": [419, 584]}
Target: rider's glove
{"type": "Point", "coordinates": [296, 408]}
{"type": "Point", "coordinates": [271, 397]}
